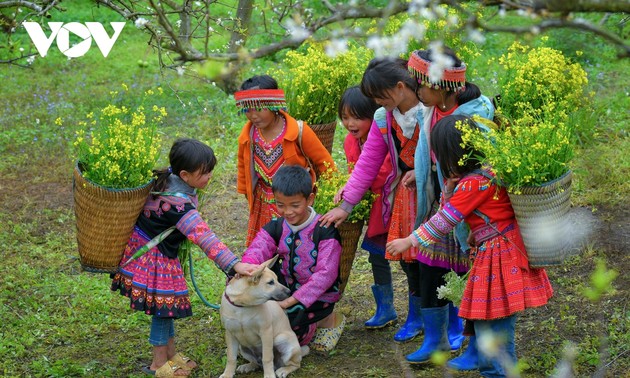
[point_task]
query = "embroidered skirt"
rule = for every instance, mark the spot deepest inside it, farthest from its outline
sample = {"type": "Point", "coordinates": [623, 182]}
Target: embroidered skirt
{"type": "Point", "coordinates": [402, 221]}
{"type": "Point", "coordinates": [501, 282]}
{"type": "Point", "coordinates": [263, 210]}
{"type": "Point", "coordinates": [154, 283]}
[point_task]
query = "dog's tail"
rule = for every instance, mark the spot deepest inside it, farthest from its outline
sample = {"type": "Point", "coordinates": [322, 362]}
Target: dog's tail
{"type": "Point", "coordinates": [305, 350]}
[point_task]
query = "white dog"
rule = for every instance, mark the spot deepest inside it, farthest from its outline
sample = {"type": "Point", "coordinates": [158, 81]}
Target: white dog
{"type": "Point", "coordinates": [257, 327]}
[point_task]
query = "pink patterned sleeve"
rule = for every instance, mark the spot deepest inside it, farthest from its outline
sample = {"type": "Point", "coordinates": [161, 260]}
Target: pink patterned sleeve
{"type": "Point", "coordinates": [197, 231]}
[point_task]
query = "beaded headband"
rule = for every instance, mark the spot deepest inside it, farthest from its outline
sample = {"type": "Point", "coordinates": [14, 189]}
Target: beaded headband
{"type": "Point", "coordinates": [453, 79]}
{"type": "Point", "coordinates": [272, 99]}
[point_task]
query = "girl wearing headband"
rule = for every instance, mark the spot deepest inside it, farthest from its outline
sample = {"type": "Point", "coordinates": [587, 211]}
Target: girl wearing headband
{"type": "Point", "coordinates": [268, 141]}
{"type": "Point", "coordinates": [443, 90]}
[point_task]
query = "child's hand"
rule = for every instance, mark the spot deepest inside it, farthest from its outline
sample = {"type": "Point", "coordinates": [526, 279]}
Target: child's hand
{"type": "Point", "coordinates": [335, 217]}
{"type": "Point", "coordinates": [409, 180]}
{"type": "Point", "coordinates": [245, 269]}
{"type": "Point", "coordinates": [449, 187]}
{"type": "Point", "coordinates": [288, 302]}
{"type": "Point", "coordinates": [338, 196]}
{"type": "Point", "coordinates": [398, 246]}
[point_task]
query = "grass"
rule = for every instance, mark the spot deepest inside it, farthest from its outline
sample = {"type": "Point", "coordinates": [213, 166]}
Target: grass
{"type": "Point", "coordinates": [61, 322]}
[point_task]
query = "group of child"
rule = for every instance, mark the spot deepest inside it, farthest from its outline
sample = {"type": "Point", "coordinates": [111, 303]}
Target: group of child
{"type": "Point", "coordinates": [404, 144]}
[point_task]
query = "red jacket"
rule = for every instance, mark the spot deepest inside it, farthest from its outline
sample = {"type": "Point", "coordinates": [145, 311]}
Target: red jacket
{"type": "Point", "coordinates": [246, 179]}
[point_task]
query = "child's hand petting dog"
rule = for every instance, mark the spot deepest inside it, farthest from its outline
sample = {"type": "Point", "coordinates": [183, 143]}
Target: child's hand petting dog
{"type": "Point", "coordinates": [245, 269]}
{"type": "Point", "coordinates": [288, 302]}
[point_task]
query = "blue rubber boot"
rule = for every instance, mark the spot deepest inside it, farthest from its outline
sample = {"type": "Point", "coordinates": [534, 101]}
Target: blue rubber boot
{"type": "Point", "coordinates": [435, 337]}
{"type": "Point", "coordinates": [385, 311]}
{"type": "Point", "coordinates": [469, 360]}
{"type": "Point", "coordinates": [413, 324]}
{"type": "Point", "coordinates": [502, 361]}
{"type": "Point", "coordinates": [455, 328]}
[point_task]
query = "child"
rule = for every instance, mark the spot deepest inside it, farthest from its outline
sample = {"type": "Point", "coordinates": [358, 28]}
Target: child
{"type": "Point", "coordinates": [501, 283]}
{"type": "Point", "coordinates": [394, 133]}
{"type": "Point", "coordinates": [155, 281]}
{"type": "Point", "coordinates": [309, 256]}
{"type": "Point", "coordinates": [452, 94]}
{"type": "Point", "coordinates": [268, 141]}
{"type": "Point", "coordinates": [356, 112]}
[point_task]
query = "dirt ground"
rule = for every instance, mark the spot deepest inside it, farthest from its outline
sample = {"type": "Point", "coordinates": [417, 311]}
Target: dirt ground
{"type": "Point", "coordinates": [362, 353]}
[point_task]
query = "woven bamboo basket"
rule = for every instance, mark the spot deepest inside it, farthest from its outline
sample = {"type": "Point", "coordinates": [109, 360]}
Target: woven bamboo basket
{"type": "Point", "coordinates": [350, 234]}
{"type": "Point", "coordinates": [541, 213]}
{"type": "Point", "coordinates": [325, 133]}
{"type": "Point", "coordinates": [105, 218]}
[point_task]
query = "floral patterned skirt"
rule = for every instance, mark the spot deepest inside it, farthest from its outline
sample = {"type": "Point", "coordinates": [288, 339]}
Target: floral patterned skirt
{"type": "Point", "coordinates": [154, 283]}
{"type": "Point", "coordinates": [402, 221]}
{"type": "Point", "coordinates": [501, 282]}
{"type": "Point", "coordinates": [263, 210]}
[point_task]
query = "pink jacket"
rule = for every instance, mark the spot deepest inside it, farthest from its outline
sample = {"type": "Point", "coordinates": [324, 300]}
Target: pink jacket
{"type": "Point", "coordinates": [378, 147]}
{"type": "Point", "coordinates": [376, 224]}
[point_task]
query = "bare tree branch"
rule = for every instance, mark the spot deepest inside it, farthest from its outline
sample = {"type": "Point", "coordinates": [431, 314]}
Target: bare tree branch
{"type": "Point", "coordinates": [21, 3]}
{"type": "Point", "coordinates": [288, 23]}
{"type": "Point", "coordinates": [552, 23]}
{"type": "Point", "coordinates": [565, 5]}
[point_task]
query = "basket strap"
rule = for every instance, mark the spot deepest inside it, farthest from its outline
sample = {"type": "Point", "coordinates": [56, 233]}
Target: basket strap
{"type": "Point", "coordinates": [300, 124]}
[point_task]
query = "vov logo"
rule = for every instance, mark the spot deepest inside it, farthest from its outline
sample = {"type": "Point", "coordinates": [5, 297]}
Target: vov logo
{"type": "Point", "coordinates": [61, 32]}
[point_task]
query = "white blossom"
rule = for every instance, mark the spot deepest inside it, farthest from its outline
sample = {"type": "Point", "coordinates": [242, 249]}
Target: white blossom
{"type": "Point", "coordinates": [180, 70]}
{"type": "Point", "coordinates": [141, 22]}
{"type": "Point", "coordinates": [415, 6]}
{"type": "Point", "coordinates": [476, 36]}
{"type": "Point", "coordinates": [439, 62]}
{"type": "Point", "coordinates": [178, 23]}
{"type": "Point", "coordinates": [336, 47]}
{"type": "Point", "coordinates": [297, 32]}
{"type": "Point", "coordinates": [30, 59]}
{"type": "Point", "coordinates": [488, 343]}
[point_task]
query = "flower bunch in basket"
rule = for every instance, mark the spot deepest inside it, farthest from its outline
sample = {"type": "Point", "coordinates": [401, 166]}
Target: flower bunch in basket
{"type": "Point", "coordinates": [328, 184]}
{"type": "Point", "coordinates": [118, 145]}
{"type": "Point", "coordinates": [313, 82]}
{"type": "Point", "coordinates": [539, 90]}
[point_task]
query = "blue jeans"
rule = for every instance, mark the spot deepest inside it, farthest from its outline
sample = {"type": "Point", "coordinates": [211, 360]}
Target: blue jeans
{"type": "Point", "coordinates": [162, 329]}
{"type": "Point", "coordinates": [496, 363]}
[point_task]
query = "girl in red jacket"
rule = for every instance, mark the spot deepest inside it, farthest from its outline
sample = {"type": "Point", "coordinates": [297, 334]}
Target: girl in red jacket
{"type": "Point", "coordinates": [268, 141]}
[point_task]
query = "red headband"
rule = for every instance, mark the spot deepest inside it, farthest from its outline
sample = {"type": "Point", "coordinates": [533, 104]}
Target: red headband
{"type": "Point", "coordinates": [272, 99]}
{"type": "Point", "coordinates": [453, 79]}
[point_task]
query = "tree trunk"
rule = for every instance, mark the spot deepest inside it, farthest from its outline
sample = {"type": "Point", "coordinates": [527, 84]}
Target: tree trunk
{"type": "Point", "coordinates": [231, 80]}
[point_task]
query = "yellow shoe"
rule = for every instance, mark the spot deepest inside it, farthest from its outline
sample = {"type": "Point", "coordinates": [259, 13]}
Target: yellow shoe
{"type": "Point", "coordinates": [326, 339]}
{"type": "Point", "coordinates": [183, 362]}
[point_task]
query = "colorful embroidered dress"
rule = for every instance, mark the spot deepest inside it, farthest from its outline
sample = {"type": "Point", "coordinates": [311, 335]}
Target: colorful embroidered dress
{"type": "Point", "coordinates": [404, 209]}
{"type": "Point", "coordinates": [501, 282]}
{"type": "Point", "coordinates": [155, 282]}
{"type": "Point", "coordinates": [268, 158]}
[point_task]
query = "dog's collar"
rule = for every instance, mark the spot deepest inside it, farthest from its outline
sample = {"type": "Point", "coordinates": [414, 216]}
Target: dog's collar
{"type": "Point", "coordinates": [230, 301]}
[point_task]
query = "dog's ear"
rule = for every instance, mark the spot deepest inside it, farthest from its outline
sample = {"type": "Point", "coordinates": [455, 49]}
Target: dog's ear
{"type": "Point", "coordinates": [255, 277]}
{"type": "Point", "coordinates": [269, 263]}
